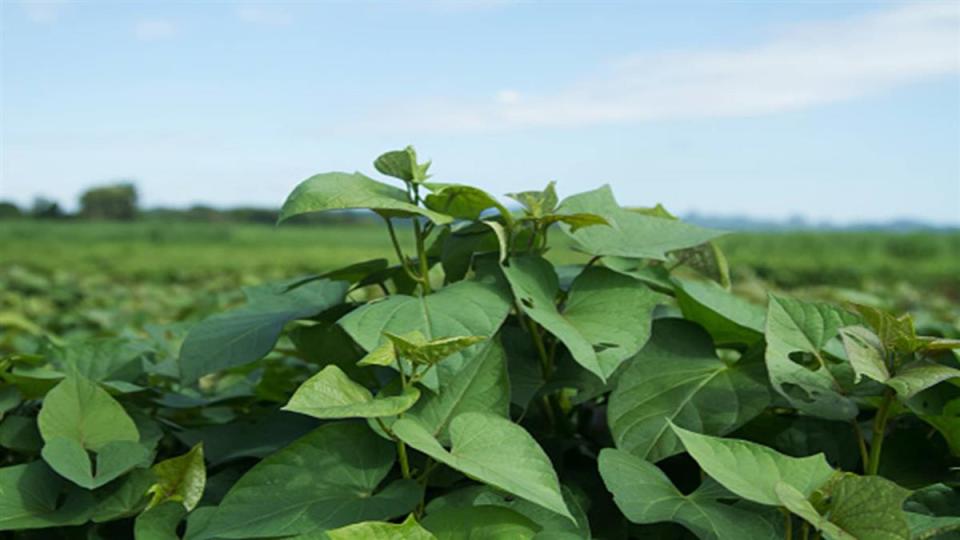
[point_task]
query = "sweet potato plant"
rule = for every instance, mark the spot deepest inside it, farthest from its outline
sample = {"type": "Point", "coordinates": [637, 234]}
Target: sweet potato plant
{"type": "Point", "coordinates": [471, 388]}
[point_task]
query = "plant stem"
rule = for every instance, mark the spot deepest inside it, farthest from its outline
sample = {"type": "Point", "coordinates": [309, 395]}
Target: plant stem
{"type": "Point", "coordinates": [422, 258]}
{"type": "Point", "coordinates": [879, 430]}
{"type": "Point", "coordinates": [864, 456]}
{"type": "Point", "coordinates": [404, 462]}
{"type": "Point", "coordinates": [805, 534]}
{"type": "Point", "coordinates": [398, 251]}
{"type": "Point", "coordinates": [787, 524]}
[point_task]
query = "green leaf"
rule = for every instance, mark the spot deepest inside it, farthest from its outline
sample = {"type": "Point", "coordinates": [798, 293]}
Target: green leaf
{"type": "Point", "coordinates": [606, 318]}
{"type": "Point", "coordinates": [495, 451]}
{"type": "Point", "coordinates": [325, 480]}
{"type": "Point", "coordinates": [481, 385]}
{"type": "Point", "coordinates": [419, 350]}
{"type": "Point", "coordinates": [678, 378]}
{"type": "Point", "coordinates": [402, 164]}
{"type": "Point", "coordinates": [78, 416]}
{"type": "Point", "coordinates": [30, 498]}
{"type": "Point", "coordinates": [645, 495]}
{"type": "Point", "coordinates": [332, 394]}
{"type": "Point", "coordinates": [797, 503]}
{"type": "Point", "coordinates": [79, 410]}
{"type": "Point", "coordinates": [918, 376]}
{"type": "Point", "coordinates": [463, 202]}
{"type": "Point", "coordinates": [865, 353]}
{"type": "Point", "coordinates": [795, 326]}
{"type": "Point", "coordinates": [538, 203]}
{"type": "Point", "coordinates": [123, 498]}
{"type": "Point", "coordinates": [947, 422]}
{"type": "Point", "coordinates": [246, 334]}
{"type": "Point", "coordinates": [731, 320]}
{"type": "Point", "coordinates": [479, 523]}
{"type": "Point", "coordinates": [575, 221]}
{"type": "Point", "coordinates": [934, 512]}
{"type": "Point", "coordinates": [897, 334]}
{"type": "Point", "coordinates": [344, 191]}
{"type": "Point", "coordinates": [180, 479]}
{"type": "Point", "coordinates": [753, 471]}
{"type": "Point", "coordinates": [379, 530]}
{"type": "Point", "coordinates": [464, 308]}
{"type": "Point", "coordinates": [549, 524]}
{"type": "Point", "coordinates": [630, 234]}
{"type": "Point", "coordinates": [856, 507]}
{"type": "Point", "coordinates": [159, 523]}
{"type": "Point", "coordinates": [71, 460]}
{"type": "Point", "coordinates": [869, 507]}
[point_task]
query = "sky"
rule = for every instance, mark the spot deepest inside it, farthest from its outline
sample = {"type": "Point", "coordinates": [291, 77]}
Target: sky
{"type": "Point", "coordinates": [835, 111]}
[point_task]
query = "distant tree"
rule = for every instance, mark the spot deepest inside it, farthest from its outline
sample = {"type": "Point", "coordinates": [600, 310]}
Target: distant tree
{"type": "Point", "coordinates": [117, 202]}
{"type": "Point", "coordinates": [44, 208]}
{"type": "Point", "coordinates": [9, 210]}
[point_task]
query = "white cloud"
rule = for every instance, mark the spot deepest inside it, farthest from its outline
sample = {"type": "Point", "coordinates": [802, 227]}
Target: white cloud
{"type": "Point", "coordinates": [805, 66]}
{"type": "Point", "coordinates": [154, 30]}
{"type": "Point", "coordinates": [43, 11]}
{"type": "Point", "coordinates": [263, 15]}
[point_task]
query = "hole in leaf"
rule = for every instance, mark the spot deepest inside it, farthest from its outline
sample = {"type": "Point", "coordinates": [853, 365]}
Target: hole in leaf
{"type": "Point", "coordinates": [805, 359]}
{"type": "Point", "coordinates": [527, 302]}
{"type": "Point", "coordinates": [600, 347]}
{"type": "Point", "coordinates": [798, 392]}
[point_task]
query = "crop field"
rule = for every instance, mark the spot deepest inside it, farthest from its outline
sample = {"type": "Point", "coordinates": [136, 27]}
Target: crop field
{"type": "Point", "coordinates": [565, 369]}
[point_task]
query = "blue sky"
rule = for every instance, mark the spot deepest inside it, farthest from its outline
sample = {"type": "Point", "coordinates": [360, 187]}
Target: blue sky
{"type": "Point", "coordinates": [834, 111]}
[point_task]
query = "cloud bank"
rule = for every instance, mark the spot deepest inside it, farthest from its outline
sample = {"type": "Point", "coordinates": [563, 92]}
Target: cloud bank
{"type": "Point", "coordinates": [805, 66]}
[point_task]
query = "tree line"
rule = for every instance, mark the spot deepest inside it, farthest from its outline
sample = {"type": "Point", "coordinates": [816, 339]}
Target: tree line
{"type": "Point", "coordinates": [120, 202]}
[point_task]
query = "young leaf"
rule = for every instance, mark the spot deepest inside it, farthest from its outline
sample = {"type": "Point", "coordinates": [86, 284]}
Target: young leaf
{"type": "Point", "coordinates": [538, 203]}
{"type": "Point", "coordinates": [897, 334]}
{"type": "Point", "coordinates": [402, 164]}
{"type": "Point", "coordinates": [332, 394]}
{"type": "Point", "coordinates": [379, 530]}
{"type": "Point", "coordinates": [415, 348]}
{"type": "Point", "coordinates": [645, 495]}
{"type": "Point", "coordinates": [324, 480]}
{"type": "Point", "coordinates": [246, 334]}
{"type": "Point", "coordinates": [630, 234]}
{"type": "Point", "coordinates": [344, 191]}
{"type": "Point", "coordinates": [677, 377]}
{"type": "Point", "coordinates": [180, 479]}
{"type": "Point", "coordinates": [466, 307]}
{"type": "Point", "coordinates": [495, 451]}
{"type": "Point", "coordinates": [795, 326]}
{"type": "Point", "coordinates": [753, 471]}
{"type": "Point", "coordinates": [865, 353]}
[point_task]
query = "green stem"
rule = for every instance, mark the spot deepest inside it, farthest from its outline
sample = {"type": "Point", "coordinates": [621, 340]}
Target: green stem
{"type": "Point", "coordinates": [805, 534]}
{"type": "Point", "coordinates": [879, 430]}
{"type": "Point", "coordinates": [422, 258]}
{"type": "Point", "coordinates": [864, 456]}
{"type": "Point", "coordinates": [398, 251]}
{"type": "Point", "coordinates": [404, 462]}
{"type": "Point", "coordinates": [787, 524]}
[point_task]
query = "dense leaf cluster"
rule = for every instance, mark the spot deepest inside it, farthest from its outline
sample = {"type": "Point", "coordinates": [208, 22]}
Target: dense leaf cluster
{"type": "Point", "coordinates": [475, 389]}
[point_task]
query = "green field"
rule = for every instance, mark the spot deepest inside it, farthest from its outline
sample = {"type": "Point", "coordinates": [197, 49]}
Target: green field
{"type": "Point", "coordinates": [159, 250]}
{"type": "Point", "coordinates": [75, 275]}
